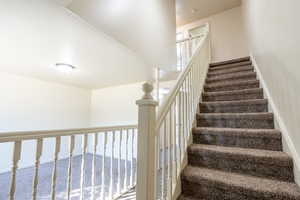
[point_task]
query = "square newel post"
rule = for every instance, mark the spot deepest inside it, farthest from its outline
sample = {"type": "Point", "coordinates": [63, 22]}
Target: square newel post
{"type": "Point", "coordinates": [147, 136]}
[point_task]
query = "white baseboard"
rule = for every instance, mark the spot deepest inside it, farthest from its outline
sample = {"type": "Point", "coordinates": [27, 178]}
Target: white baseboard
{"type": "Point", "coordinates": [288, 144]}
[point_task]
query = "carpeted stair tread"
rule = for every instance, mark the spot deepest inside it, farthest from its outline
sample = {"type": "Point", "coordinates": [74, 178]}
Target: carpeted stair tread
{"type": "Point", "coordinates": [183, 197]}
{"type": "Point", "coordinates": [235, 185]}
{"type": "Point", "coordinates": [237, 60]}
{"type": "Point", "coordinates": [256, 93]}
{"type": "Point", "coordinates": [227, 67]}
{"type": "Point", "coordinates": [262, 156]}
{"type": "Point", "coordinates": [236, 120]}
{"type": "Point", "coordinates": [262, 163]}
{"type": "Point", "coordinates": [239, 132]}
{"type": "Point", "coordinates": [233, 85]}
{"type": "Point", "coordinates": [233, 103]}
{"type": "Point", "coordinates": [268, 139]}
{"type": "Point", "coordinates": [235, 116]}
{"type": "Point", "coordinates": [232, 77]}
{"type": "Point", "coordinates": [229, 71]}
{"type": "Point", "coordinates": [256, 105]}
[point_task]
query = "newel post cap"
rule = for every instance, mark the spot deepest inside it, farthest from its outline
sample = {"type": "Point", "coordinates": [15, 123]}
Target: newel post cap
{"type": "Point", "coordinates": [147, 99]}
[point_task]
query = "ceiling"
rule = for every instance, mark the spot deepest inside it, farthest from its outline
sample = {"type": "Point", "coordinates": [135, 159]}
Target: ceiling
{"type": "Point", "coordinates": [135, 24]}
{"type": "Point", "coordinates": [37, 35]}
{"type": "Point", "coordinates": [110, 42]}
{"type": "Point", "coordinates": [188, 11]}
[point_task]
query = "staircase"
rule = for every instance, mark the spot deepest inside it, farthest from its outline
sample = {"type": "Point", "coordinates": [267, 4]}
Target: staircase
{"type": "Point", "coordinates": [236, 152]}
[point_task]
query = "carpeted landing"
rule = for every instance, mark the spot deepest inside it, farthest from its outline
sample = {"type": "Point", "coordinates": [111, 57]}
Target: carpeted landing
{"type": "Point", "coordinates": [236, 152]}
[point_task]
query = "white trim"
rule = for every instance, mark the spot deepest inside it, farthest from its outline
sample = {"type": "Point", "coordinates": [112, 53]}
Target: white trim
{"type": "Point", "coordinates": [289, 146]}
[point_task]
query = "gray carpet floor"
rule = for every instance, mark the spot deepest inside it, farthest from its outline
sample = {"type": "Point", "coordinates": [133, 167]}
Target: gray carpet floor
{"type": "Point", "coordinates": [25, 179]}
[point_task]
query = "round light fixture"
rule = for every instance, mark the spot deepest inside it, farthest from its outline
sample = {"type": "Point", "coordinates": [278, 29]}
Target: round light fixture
{"type": "Point", "coordinates": [65, 68]}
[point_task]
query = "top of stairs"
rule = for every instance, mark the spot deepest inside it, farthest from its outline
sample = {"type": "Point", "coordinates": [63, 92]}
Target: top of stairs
{"type": "Point", "coordinates": [243, 59]}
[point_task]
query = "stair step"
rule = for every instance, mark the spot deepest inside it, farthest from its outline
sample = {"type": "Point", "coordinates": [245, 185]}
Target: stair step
{"type": "Point", "coordinates": [232, 77]}
{"type": "Point", "coordinates": [262, 163]}
{"type": "Point", "coordinates": [236, 120]}
{"type": "Point", "coordinates": [183, 197]}
{"type": "Point", "coordinates": [248, 106]}
{"type": "Point", "coordinates": [268, 139]}
{"type": "Point", "coordinates": [256, 93]}
{"type": "Point", "coordinates": [230, 61]}
{"type": "Point", "coordinates": [218, 185]}
{"type": "Point", "coordinates": [233, 85]}
{"type": "Point", "coordinates": [229, 71]}
{"type": "Point", "coordinates": [230, 66]}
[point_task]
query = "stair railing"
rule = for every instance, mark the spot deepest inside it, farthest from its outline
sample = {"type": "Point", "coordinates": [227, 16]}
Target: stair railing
{"type": "Point", "coordinates": [165, 135]}
{"type": "Point", "coordinates": [114, 147]}
{"type": "Point", "coordinates": [185, 49]}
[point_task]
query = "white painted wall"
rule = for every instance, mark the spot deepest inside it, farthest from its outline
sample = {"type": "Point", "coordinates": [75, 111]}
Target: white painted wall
{"type": "Point", "coordinates": [146, 27]}
{"type": "Point", "coordinates": [273, 33]}
{"type": "Point", "coordinates": [115, 105]}
{"type": "Point", "coordinates": [228, 37]}
{"type": "Point", "coordinates": [36, 34]}
{"type": "Point", "coordinates": [31, 104]}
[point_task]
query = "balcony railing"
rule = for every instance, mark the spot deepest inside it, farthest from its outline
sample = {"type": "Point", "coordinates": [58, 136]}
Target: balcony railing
{"type": "Point", "coordinates": [107, 155]}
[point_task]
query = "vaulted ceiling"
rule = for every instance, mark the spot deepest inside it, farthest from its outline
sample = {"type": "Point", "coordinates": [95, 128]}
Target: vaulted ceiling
{"type": "Point", "coordinates": [190, 10]}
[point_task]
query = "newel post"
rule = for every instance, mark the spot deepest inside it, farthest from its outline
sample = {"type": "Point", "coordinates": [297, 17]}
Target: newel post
{"type": "Point", "coordinates": [146, 161]}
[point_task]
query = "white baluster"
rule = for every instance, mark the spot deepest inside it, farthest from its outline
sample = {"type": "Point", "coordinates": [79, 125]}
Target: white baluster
{"type": "Point", "coordinates": [16, 159]}
{"type": "Point", "coordinates": [191, 100]}
{"type": "Point", "coordinates": [82, 177]}
{"type": "Point", "coordinates": [184, 113]}
{"type": "Point", "coordinates": [39, 148]}
{"type": "Point", "coordinates": [103, 167]}
{"type": "Point", "coordinates": [94, 166]}
{"type": "Point", "coordinates": [71, 150]}
{"type": "Point", "coordinates": [159, 165]}
{"type": "Point", "coordinates": [192, 92]}
{"type": "Point", "coordinates": [164, 159]}
{"type": "Point", "coordinates": [175, 138]}
{"type": "Point", "coordinates": [54, 175]}
{"type": "Point", "coordinates": [180, 125]}
{"type": "Point", "coordinates": [126, 159]}
{"type": "Point", "coordinates": [188, 105]}
{"type": "Point", "coordinates": [187, 114]}
{"type": "Point", "coordinates": [147, 146]}
{"type": "Point", "coordinates": [111, 165]}
{"type": "Point", "coordinates": [195, 86]}
{"type": "Point", "coordinates": [119, 162]}
{"type": "Point", "coordinates": [132, 151]}
{"type": "Point", "coordinates": [170, 153]}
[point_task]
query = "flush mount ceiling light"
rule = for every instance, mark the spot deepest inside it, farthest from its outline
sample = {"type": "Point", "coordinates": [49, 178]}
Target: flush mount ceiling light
{"type": "Point", "coordinates": [65, 68]}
